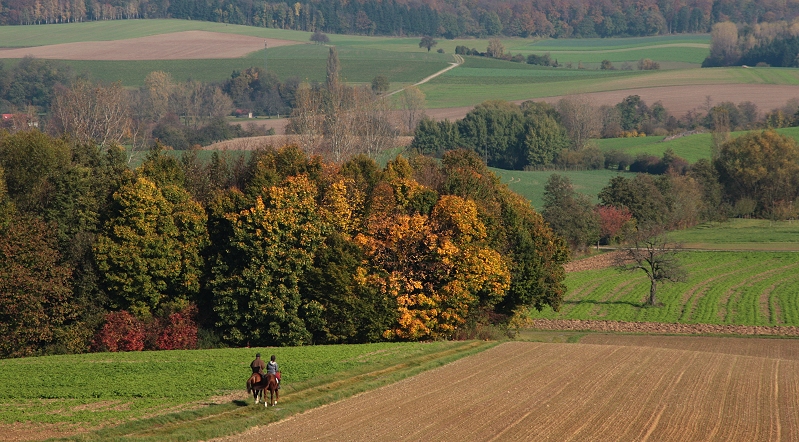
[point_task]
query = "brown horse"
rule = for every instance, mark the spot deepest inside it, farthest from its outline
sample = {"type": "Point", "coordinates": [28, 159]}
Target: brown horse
{"type": "Point", "coordinates": [257, 384]}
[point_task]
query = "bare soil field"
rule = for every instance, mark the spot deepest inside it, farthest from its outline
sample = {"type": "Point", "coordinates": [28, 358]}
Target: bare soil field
{"type": "Point", "coordinates": [543, 391]}
{"type": "Point", "coordinates": [678, 100]}
{"type": "Point", "coordinates": [757, 347]}
{"type": "Point", "coordinates": [174, 46]}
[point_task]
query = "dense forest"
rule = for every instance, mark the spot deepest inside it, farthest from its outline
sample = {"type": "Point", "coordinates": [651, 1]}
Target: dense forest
{"type": "Point", "coordinates": [277, 249]}
{"type": "Point", "coordinates": [449, 19]}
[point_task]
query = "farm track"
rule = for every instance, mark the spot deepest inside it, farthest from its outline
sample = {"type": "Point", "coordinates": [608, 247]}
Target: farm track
{"type": "Point", "coordinates": [320, 391]}
{"type": "Point", "coordinates": [539, 391]}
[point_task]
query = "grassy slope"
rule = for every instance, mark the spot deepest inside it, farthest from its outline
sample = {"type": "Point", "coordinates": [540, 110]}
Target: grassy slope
{"type": "Point", "coordinates": [747, 234]}
{"type": "Point", "coordinates": [93, 389]}
{"type": "Point", "coordinates": [739, 288]}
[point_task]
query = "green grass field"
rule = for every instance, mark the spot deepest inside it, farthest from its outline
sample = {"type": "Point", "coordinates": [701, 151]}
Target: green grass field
{"type": "Point", "coordinates": [741, 234]}
{"type": "Point", "coordinates": [736, 288]}
{"type": "Point", "coordinates": [530, 184]}
{"type": "Point", "coordinates": [403, 62]}
{"type": "Point", "coordinates": [90, 390]}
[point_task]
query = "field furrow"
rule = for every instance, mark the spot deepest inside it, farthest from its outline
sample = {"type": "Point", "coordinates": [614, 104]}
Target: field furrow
{"type": "Point", "coordinates": [536, 391]}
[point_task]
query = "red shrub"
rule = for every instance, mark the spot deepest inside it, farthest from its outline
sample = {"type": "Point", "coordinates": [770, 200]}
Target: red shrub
{"type": "Point", "coordinates": [612, 220]}
{"type": "Point", "coordinates": [179, 331]}
{"type": "Point", "coordinates": [121, 332]}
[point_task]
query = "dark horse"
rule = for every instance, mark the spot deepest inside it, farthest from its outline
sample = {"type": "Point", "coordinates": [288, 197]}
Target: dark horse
{"type": "Point", "coordinates": [257, 384]}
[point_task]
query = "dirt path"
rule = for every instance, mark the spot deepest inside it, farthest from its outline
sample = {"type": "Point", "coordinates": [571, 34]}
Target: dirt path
{"type": "Point", "coordinates": [541, 391]}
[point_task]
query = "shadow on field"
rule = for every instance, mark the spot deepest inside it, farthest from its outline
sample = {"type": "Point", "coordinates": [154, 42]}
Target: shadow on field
{"type": "Point", "coordinates": [240, 403]}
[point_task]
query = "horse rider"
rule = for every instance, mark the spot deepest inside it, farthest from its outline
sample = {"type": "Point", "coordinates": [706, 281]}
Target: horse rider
{"type": "Point", "coordinates": [258, 365]}
{"type": "Point", "coordinates": [272, 368]}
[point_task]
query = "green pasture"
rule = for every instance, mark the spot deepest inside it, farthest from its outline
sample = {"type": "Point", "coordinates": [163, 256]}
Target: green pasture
{"type": "Point", "coordinates": [96, 389]}
{"type": "Point", "coordinates": [741, 234]}
{"type": "Point", "coordinates": [735, 288]}
{"type": "Point", "coordinates": [466, 87]}
{"type": "Point", "coordinates": [692, 147]}
{"type": "Point", "coordinates": [306, 62]}
{"type": "Point", "coordinates": [530, 184]}
{"type": "Point", "coordinates": [610, 44]}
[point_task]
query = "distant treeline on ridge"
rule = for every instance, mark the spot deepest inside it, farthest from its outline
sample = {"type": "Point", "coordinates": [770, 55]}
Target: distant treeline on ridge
{"type": "Point", "coordinates": [449, 18]}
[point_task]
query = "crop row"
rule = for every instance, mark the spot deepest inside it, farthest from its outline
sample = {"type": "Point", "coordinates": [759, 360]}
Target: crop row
{"type": "Point", "coordinates": [735, 288]}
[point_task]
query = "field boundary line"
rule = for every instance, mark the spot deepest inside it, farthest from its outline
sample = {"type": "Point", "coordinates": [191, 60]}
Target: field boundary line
{"type": "Point", "coordinates": [458, 61]}
{"type": "Point", "coordinates": [663, 327]}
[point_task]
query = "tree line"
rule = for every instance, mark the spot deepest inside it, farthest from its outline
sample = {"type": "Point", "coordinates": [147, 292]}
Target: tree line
{"type": "Point", "coordinates": [754, 175]}
{"type": "Point", "coordinates": [279, 248]}
{"type": "Point", "coordinates": [762, 44]}
{"type": "Point", "coordinates": [538, 135]}
{"type": "Point", "coordinates": [449, 19]}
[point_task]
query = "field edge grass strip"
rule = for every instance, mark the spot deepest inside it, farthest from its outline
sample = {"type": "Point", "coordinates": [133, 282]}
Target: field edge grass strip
{"type": "Point", "coordinates": [228, 419]}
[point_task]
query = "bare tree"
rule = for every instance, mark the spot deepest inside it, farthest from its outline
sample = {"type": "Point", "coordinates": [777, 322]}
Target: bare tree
{"type": "Point", "coordinates": [651, 252]}
{"type": "Point", "coordinates": [307, 118]}
{"type": "Point", "coordinates": [374, 129]}
{"type": "Point", "coordinates": [495, 48]}
{"type": "Point", "coordinates": [581, 120]}
{"type": "Point", "coordinates": [92, 113]}
{"type": "Point", "coordinates": [411, 104]}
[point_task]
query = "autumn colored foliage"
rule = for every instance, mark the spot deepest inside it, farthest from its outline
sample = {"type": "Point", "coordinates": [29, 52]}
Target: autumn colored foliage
{"type": "Point", "coordinates": [281, 250]}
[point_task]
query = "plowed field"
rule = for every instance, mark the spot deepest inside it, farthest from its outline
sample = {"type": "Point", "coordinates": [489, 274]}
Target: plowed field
{"type": "Point", "coordinates": [174, 46]}
{"type": "Point", "coordinates": [541, 391]}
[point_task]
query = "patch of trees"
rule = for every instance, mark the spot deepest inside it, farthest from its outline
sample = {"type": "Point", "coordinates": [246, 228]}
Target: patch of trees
{"type": "Point", "coordinates": [764, 44]}
{"type": "Point", "coordinates": [534, 134]}
{"type": "Point", "coordinates": [561, 19]}
{"type": "Point", "coordinates": [280, 249]}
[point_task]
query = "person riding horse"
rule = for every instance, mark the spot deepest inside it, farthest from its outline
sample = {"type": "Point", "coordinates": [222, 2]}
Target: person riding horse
{"type": "Point", "coordinates": [258, 365]}
{"type": "Point", "coordinates": [272, 368]}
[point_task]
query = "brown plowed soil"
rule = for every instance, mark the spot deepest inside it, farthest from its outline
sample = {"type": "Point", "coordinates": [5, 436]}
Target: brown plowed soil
{"type": "Point", "coordinates": [678, 100]}
{"type": "Point", "coordinates": [174, 46]}
{"type": "Point", "coordinates": [595, 262]}
{"type": "Point", "coordinates": [541, 391]}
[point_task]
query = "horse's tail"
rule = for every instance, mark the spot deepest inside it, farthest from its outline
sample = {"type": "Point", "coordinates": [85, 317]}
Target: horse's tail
{"type": "Point", "coordinates": [251, 383]}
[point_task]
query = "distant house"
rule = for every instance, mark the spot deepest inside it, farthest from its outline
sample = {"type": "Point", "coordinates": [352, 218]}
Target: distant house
{"type": "Point", "coordinates": [18, 121]}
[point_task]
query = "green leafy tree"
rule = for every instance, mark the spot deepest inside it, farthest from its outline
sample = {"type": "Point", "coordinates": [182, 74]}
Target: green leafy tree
{"type": "Point", "coordinates": [640, 195]}
{"type": "Point", "coordinates": [380, 84]}
{"type": "Point", "coordinates": [32, 160]}
{"type": "Point", "coordinates": [148, 251]}
{"type": "Point", "coordinates": [255, 277]}
{"type": "Point", "coordinates": [492, 129]}
{"type": "Point", "coordinates": [544, 138]}
{"type": "Point", "coordinates": [427, 42]}
{"type": "Point", "coordinates": [347, 309]}
{"type": "Point", "coordinates": [570, 214]}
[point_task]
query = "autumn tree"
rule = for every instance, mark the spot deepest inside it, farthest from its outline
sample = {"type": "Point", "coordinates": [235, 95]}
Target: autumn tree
{"type": "Point", "coordinates": [761, 166]}
{"type": "Point", "coordinates": [651, 252]}
{"type": "Point", "coordinates": [34, 287]}
{"type": "Point", "coordinates": [723, 45]}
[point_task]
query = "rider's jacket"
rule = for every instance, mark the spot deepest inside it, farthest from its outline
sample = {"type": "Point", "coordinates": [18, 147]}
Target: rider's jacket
{"type": "Point", "coordinates": [258, 366]}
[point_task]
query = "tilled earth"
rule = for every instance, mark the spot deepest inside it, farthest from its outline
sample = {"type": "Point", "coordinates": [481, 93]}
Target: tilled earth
{"type": "Point", "coordinates": [542, 391]}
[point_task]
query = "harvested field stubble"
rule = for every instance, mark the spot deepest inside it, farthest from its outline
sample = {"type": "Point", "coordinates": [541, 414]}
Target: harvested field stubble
{"type": "Point", "coordinates": [539, 391]}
